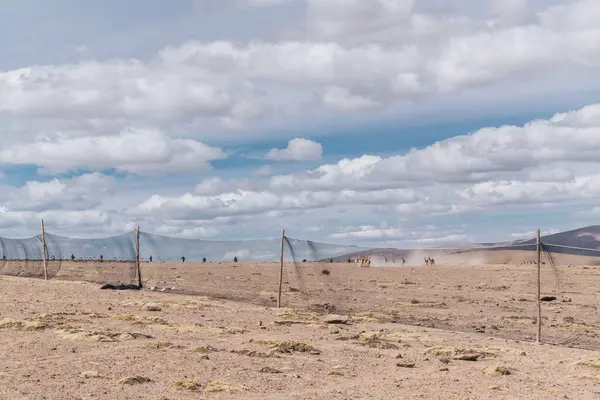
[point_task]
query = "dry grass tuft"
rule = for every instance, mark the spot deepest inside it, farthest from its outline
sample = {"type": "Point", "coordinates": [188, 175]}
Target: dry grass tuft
{"type": "Point", "coordinates": [287, 346]}
{"type": "Point", "coordinates": [192, 386]}
{"type": "Point", "coordinates": [124, 317]}
{"type": "Point", "coordinates": [589, 363]}
{"type": "Point", "coordinates": [204, 349]}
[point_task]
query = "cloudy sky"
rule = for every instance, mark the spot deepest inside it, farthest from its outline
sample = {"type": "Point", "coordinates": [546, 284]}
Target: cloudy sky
{"type": "Point", "coordinates": [400, 122]}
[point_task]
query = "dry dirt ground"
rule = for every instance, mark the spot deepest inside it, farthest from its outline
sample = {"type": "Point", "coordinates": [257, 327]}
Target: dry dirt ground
{"type": "Point", "coordinates": [446, 332]}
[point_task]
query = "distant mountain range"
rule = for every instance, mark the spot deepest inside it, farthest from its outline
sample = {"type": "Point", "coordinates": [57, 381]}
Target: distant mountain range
{"type": "Point", "coordinates": [581, 242]}
{"type": "Point", "coordinates": [588, 237]}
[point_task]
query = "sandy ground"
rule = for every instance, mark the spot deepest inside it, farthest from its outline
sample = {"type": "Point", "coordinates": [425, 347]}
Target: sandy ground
{"type": "Point", "coordinates": [445, 332]}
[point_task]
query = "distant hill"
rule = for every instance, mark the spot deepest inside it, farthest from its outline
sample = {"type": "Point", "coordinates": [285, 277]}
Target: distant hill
{"type": "Point", "coordinates": [575, 241]}
{"type": "Point", "coordinates": [588, 237]}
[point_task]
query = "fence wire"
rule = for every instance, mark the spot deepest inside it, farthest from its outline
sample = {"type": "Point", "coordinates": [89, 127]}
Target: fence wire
{"type": "Point", "coordinates": [109, 260]}
{"type": "Point", "coordinates": [490, 289]}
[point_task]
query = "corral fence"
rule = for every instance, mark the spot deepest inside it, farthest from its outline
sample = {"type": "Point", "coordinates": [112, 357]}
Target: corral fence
{"type": "Point", "coordinates": [532, 290]}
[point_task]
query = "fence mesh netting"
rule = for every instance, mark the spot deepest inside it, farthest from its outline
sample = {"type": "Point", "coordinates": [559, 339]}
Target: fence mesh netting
{"type": "Point", "coordinates": [490, 289]}
{"type": "Point", "coordinates": [107, 260]}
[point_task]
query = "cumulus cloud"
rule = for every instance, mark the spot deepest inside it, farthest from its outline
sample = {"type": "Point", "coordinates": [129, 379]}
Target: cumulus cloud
{"type": "Point", "coordinates": [149, 115]}
{"type": "Point", "coordinates": [488, 168]}
{"type": "Point", "coordinates": [335, 18]}
{"type": "Point", "coordinates": [136, 151]}
{"type": "Point", "coordinates": [340, 99]}
{"type": "Point", "coordinates": [543, 163]}
{"type": "Point", "coordinates": [78, 193]}
{"type": "Point", "coordinates": [298, 149]}
{"type": "Point", "coordinates": [231, 84]}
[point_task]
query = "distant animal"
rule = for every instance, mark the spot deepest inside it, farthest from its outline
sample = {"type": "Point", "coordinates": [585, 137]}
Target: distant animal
{"type": "Point", "coordinates": [532, 262]}
{"type": "Point", "coordinates": [235, 259]}
{"type": "Point", "coordinates": [364, 262]}
{"type": "Point", "coordinates": [183, 259]}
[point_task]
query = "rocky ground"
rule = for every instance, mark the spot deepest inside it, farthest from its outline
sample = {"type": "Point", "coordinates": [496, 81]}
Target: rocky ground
{"type": "Point", "coordinates": [71, 340]}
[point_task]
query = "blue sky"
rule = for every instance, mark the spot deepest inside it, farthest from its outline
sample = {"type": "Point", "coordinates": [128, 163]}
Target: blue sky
{"type": "Point", "coordinates": [395, 122]}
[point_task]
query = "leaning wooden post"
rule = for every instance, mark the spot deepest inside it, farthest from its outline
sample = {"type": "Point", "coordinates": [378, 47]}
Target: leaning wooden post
{"type": "Point", "coordinates": [280, 269]}
{"type": "Point", "coordinates": [44, 257]}
{"type": "Point", "coordinates": [138, 268]}
{"type": "Point", "coordinates": [539, 288]}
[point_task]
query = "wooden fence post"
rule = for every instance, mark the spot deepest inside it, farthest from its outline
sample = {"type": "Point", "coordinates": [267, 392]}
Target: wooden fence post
{"type": "Point", "coordinates": [539, 287]}
{"type": "Point", "coordinates": [138, 268]}
{"type": "Point", "coordinates": [44, 251]}
{"type": "Point", "coordinates": [280, 270]}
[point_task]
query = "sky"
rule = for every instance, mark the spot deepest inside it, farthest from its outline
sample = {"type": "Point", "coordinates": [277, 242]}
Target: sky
{"type": "Point", "coordinates": [375, 122]}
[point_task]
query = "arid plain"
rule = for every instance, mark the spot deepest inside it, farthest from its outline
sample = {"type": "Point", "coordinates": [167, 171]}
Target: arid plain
{"type": "Point", "coordinates": [459, 330]}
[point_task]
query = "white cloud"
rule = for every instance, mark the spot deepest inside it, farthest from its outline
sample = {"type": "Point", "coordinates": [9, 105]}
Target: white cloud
{"type": "Point", "coordinates": [151, 113]}
{"type": "Point", "coordinates": [264, 170]}
{"type": "Point", "coordinates": [242, 202]}
{"type": "Point", "coordinates": [340, 99]}
{"type": "Point", "coordinates": [78, 193]}
{"type": "Point", "coordinates": [136, 151]}
{"type": "Point", "coordinates": [230, 85]}
{"type": "Point", "coordinates": [336, 18]}
{"type": "Point", "coordinates": [298, 149]}
{"type": "Point", "coordinates": [491, 167]}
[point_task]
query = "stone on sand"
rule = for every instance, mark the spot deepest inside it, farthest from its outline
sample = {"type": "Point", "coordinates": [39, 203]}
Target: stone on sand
{"type": "Point", "coordinates": [151, 307]}
{"type": "Point", "coordinates": [336, 319]}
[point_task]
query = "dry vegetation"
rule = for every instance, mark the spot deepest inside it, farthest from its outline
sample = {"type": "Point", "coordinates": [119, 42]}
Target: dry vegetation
{"type": "Point", "coordinates": [395, 338]}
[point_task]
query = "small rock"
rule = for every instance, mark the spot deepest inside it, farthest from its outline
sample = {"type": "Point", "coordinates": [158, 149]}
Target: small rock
{"type": "Point", "coordinates": [468, 357]}
{"type": "Point", "coordinates": [523, 353]}
{"type": "Point", "coordinates": [134, 380]}
{"type": "Point", "coordinates": [496, 371]}
{"type": "Point", "coordinates": [89, 374]}
{"type": "Point", "coordinates": [151, 307]}
{"type": "Point", "coordinates": [336, 319]}
{"type": "Point", "coordinates": [399, 356]}
{"type": "Point", "coordinates": [444, 370]}
{"type": "Point", "coordinates": [406, 365]}
{"type": "Point", "coordinates": [547, 298]}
